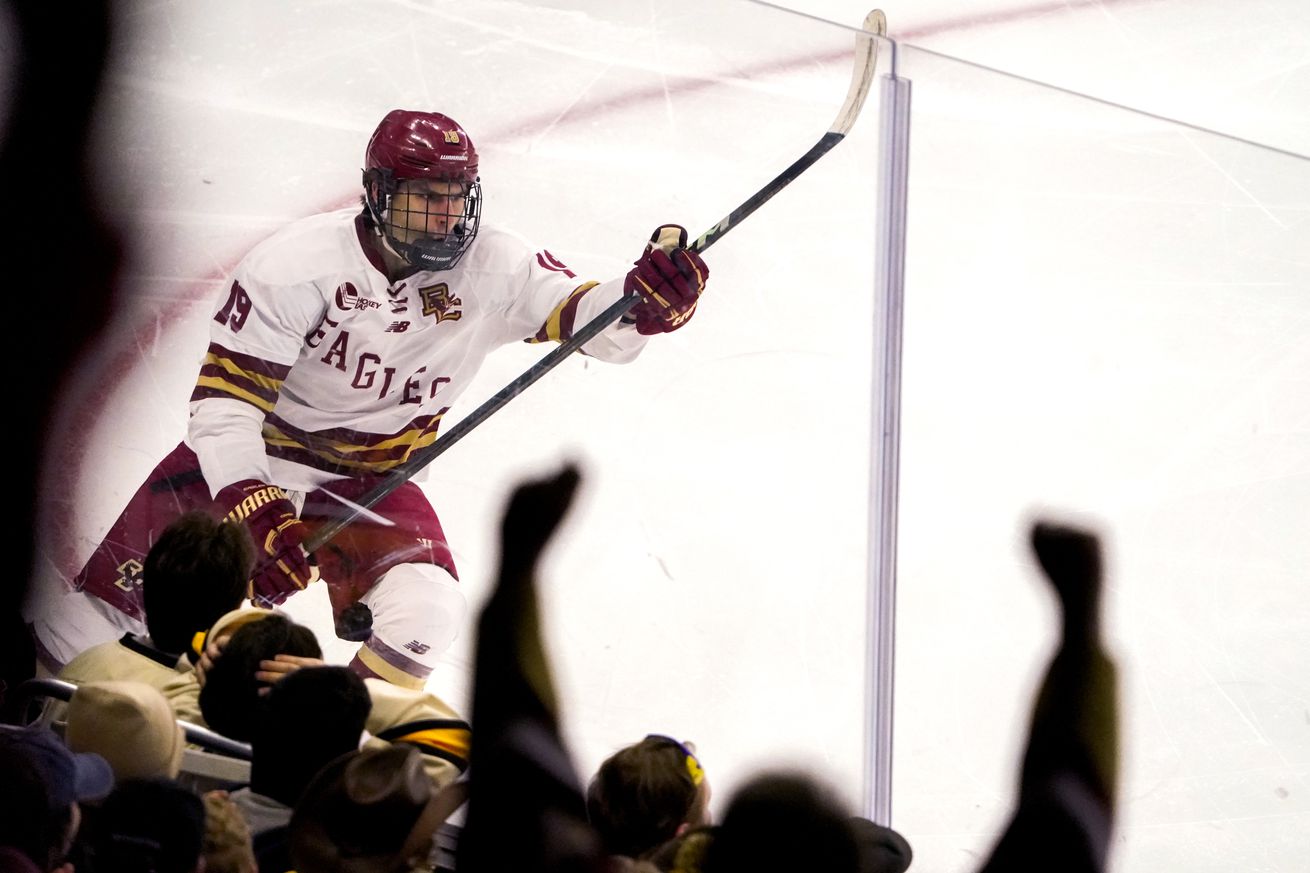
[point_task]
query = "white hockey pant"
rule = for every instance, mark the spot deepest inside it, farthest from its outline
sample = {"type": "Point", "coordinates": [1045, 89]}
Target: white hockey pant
{"type": "Point", "coordinates": [418, 611]}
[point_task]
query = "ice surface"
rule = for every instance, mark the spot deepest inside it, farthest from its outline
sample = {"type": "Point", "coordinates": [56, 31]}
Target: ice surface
{"type": "Point", "coordinates": [1106, 315]}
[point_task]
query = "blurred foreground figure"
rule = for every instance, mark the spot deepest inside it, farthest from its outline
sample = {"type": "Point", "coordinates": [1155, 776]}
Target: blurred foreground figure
{"type": "Point", "coordinates": [789, 821]}
{"type": "Point", "coordinates": [53, 71]}
{"type": "Point", "coordinates": [335, 349]}
{"type": "Point", "coordinates": [1066, 791]}
{"type": "Point", "coordinates": [526, 809]}
{"type": "Point", "coordinates": [523, 783]}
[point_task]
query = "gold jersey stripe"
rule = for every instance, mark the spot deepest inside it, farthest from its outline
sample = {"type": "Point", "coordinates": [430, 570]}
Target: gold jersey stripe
{"type": "Point", "coordinates": [553, 331]}
{"type": "Point", "coordinates": [409, 437]}
{"type": "Point", "coordinates": [339, 464]}
{"type": "Point", "coordinates": [275, 438]}
{"type": "Point", "coordinates": [268, 383]}
{"type": "Point", "coordinates": [236, 391]}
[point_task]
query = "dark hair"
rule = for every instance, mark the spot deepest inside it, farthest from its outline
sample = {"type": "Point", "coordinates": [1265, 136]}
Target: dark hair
{"type": "Point", "coordinates": [151, 825]}
{"type": "Point", "coordinates": [229, 700]}
{"type": "Point", "coordinates": [641, 794]}
{"type": "Point", "coordinates": [784, 822]}
{"type": "Point", "coordinates": [311, 717]}
{"type": "Point", "coordinates": [197, 571]}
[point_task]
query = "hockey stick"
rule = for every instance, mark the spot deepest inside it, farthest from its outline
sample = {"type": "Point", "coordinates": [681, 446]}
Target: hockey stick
{"type": "Point", "coordinates": [866, 56]}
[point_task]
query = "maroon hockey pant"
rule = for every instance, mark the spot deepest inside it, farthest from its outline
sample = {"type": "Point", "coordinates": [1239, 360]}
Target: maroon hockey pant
{"type": "Point", "coordinates": [350, 564]}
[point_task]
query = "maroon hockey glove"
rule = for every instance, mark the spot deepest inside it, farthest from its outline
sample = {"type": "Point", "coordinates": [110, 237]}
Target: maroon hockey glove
{"type": "Point", "coordinates": [670, 278]}
{"type": "Point", "coordinates": [283, 567]}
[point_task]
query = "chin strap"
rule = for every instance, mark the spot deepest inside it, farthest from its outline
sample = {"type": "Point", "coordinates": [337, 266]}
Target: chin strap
{"type": "Point", "coordinates": [386, 244]}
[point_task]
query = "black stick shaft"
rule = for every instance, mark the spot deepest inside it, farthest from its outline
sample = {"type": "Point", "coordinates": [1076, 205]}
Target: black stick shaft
{"type": "Point", "coordinates": [404, 472]}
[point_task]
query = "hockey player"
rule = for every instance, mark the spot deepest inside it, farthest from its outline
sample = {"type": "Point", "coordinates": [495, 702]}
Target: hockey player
{"type": "Point", "coordinates": [336, 347]}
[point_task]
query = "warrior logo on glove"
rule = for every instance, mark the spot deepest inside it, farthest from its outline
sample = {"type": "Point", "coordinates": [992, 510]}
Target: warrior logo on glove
{"type": "Point", "coordinates": [670, 279]}
{"type": "Point", "coordinates": [271, 518]}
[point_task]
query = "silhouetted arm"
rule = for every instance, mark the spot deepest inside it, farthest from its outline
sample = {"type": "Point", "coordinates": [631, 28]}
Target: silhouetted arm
{"type": "Point", "coordinates": [1066, 792]}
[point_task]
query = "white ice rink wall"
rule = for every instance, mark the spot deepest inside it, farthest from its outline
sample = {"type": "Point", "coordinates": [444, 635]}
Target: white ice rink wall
{"type": "Point", "coordinates": [1107, 316]}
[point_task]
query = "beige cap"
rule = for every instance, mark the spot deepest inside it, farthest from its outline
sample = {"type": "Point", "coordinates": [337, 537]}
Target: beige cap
{"type": "Point", "coordinates": [130, 725]}
{"type": "Point", "coordinates": [229, 622]}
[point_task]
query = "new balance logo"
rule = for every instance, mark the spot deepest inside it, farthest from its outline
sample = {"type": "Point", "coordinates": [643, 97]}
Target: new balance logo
{"type": "Point", "coordinates": [398, 327]}
{"type": "Point", "coordinates": [417, 648]}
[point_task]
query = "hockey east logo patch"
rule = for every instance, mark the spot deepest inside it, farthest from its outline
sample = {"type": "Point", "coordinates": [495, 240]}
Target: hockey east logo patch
{"type": "Point", "coordinates": [348, 299]}
{"type": "Point", "coordinates": [438, 301]}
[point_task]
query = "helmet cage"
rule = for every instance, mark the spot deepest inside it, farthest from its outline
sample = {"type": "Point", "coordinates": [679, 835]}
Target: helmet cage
{"type": "Point", "coordinates": [425, 252]}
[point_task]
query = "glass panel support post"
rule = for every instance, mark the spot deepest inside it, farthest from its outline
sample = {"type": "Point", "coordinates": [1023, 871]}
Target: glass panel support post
{"type": "Point", "coordinates": [893, 152]}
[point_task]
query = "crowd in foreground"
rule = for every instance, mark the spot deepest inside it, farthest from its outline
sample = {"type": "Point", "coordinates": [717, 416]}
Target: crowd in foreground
{"type": "Point", "coordinates": [358, 774]}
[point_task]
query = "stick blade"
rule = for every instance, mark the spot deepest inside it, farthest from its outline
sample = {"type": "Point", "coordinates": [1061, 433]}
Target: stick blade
{"type": "Point", "coordinates": [866, 61]}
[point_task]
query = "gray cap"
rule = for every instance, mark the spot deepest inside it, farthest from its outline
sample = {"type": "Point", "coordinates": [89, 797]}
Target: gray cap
{"type": "Point", "coordinates": [68, 776]}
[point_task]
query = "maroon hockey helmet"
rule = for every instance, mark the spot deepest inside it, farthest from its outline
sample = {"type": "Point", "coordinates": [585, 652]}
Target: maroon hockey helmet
{"type": "Point", "coordinates": [407, 145]}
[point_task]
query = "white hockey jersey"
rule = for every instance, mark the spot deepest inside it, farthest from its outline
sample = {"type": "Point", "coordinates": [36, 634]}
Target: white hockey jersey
{"type": "Point", "coordinates": [318, 367]}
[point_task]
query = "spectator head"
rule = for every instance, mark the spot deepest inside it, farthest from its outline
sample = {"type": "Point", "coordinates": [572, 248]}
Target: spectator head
{"type": "Point", "coordinates": [25, 821]}
{"type": "Point", "coordinates": [196, 571]}
{"type": "Point", "coordinates": [229, 623]}
{"type": "Point", "coordinates": [309, 718]}
{"type": "Point", "coordinates": [130, 725]}
{"type": "Point", "coordinates": [882, 850]}
{"type": "Point", "coordinates": [646, 794]}
{"type": "Point", "coordinates": [685, 852]}
{"type": "Point", "coordinates": [784, 821]}
{"type": "Point", "coordinates": [371, 811]}
{"type": "Point", "coordinates": [879, 849]}
{"type": "Point", "coordinates": [230, 700]}
{"type": "Point", "coordinates": [227, 846]}
{"type": "Point", "coordinates": [150, 824]}
{"type": "Point", "coordinates": [66, 779]}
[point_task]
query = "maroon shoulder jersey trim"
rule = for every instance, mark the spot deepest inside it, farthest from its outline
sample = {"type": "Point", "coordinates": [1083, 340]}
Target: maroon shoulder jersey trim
{"type": "Point", "coordinates": [367, 241]}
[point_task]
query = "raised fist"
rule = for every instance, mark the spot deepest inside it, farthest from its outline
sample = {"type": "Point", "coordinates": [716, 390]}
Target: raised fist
{"type": "Point", "coordinates": [670, 279]}
{"type": "Point", "coordinates": [283, 567]}
{"type": "Point", "coordinates": [1070, 556]}
{"type": "Point", "coordinates": [535, 510]}
{"type": "Point", "coordinates": [1071, 559]}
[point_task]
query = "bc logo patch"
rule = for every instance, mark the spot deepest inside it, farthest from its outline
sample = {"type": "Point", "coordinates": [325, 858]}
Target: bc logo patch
{"type": "Point", "coordinates": [437, 301]}
{"type": "Point", "coordinates": [129, 574]}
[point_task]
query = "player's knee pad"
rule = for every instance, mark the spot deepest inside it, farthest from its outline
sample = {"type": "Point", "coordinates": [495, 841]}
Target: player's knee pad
{"type": "Point", "coordinates": [418, 611]}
